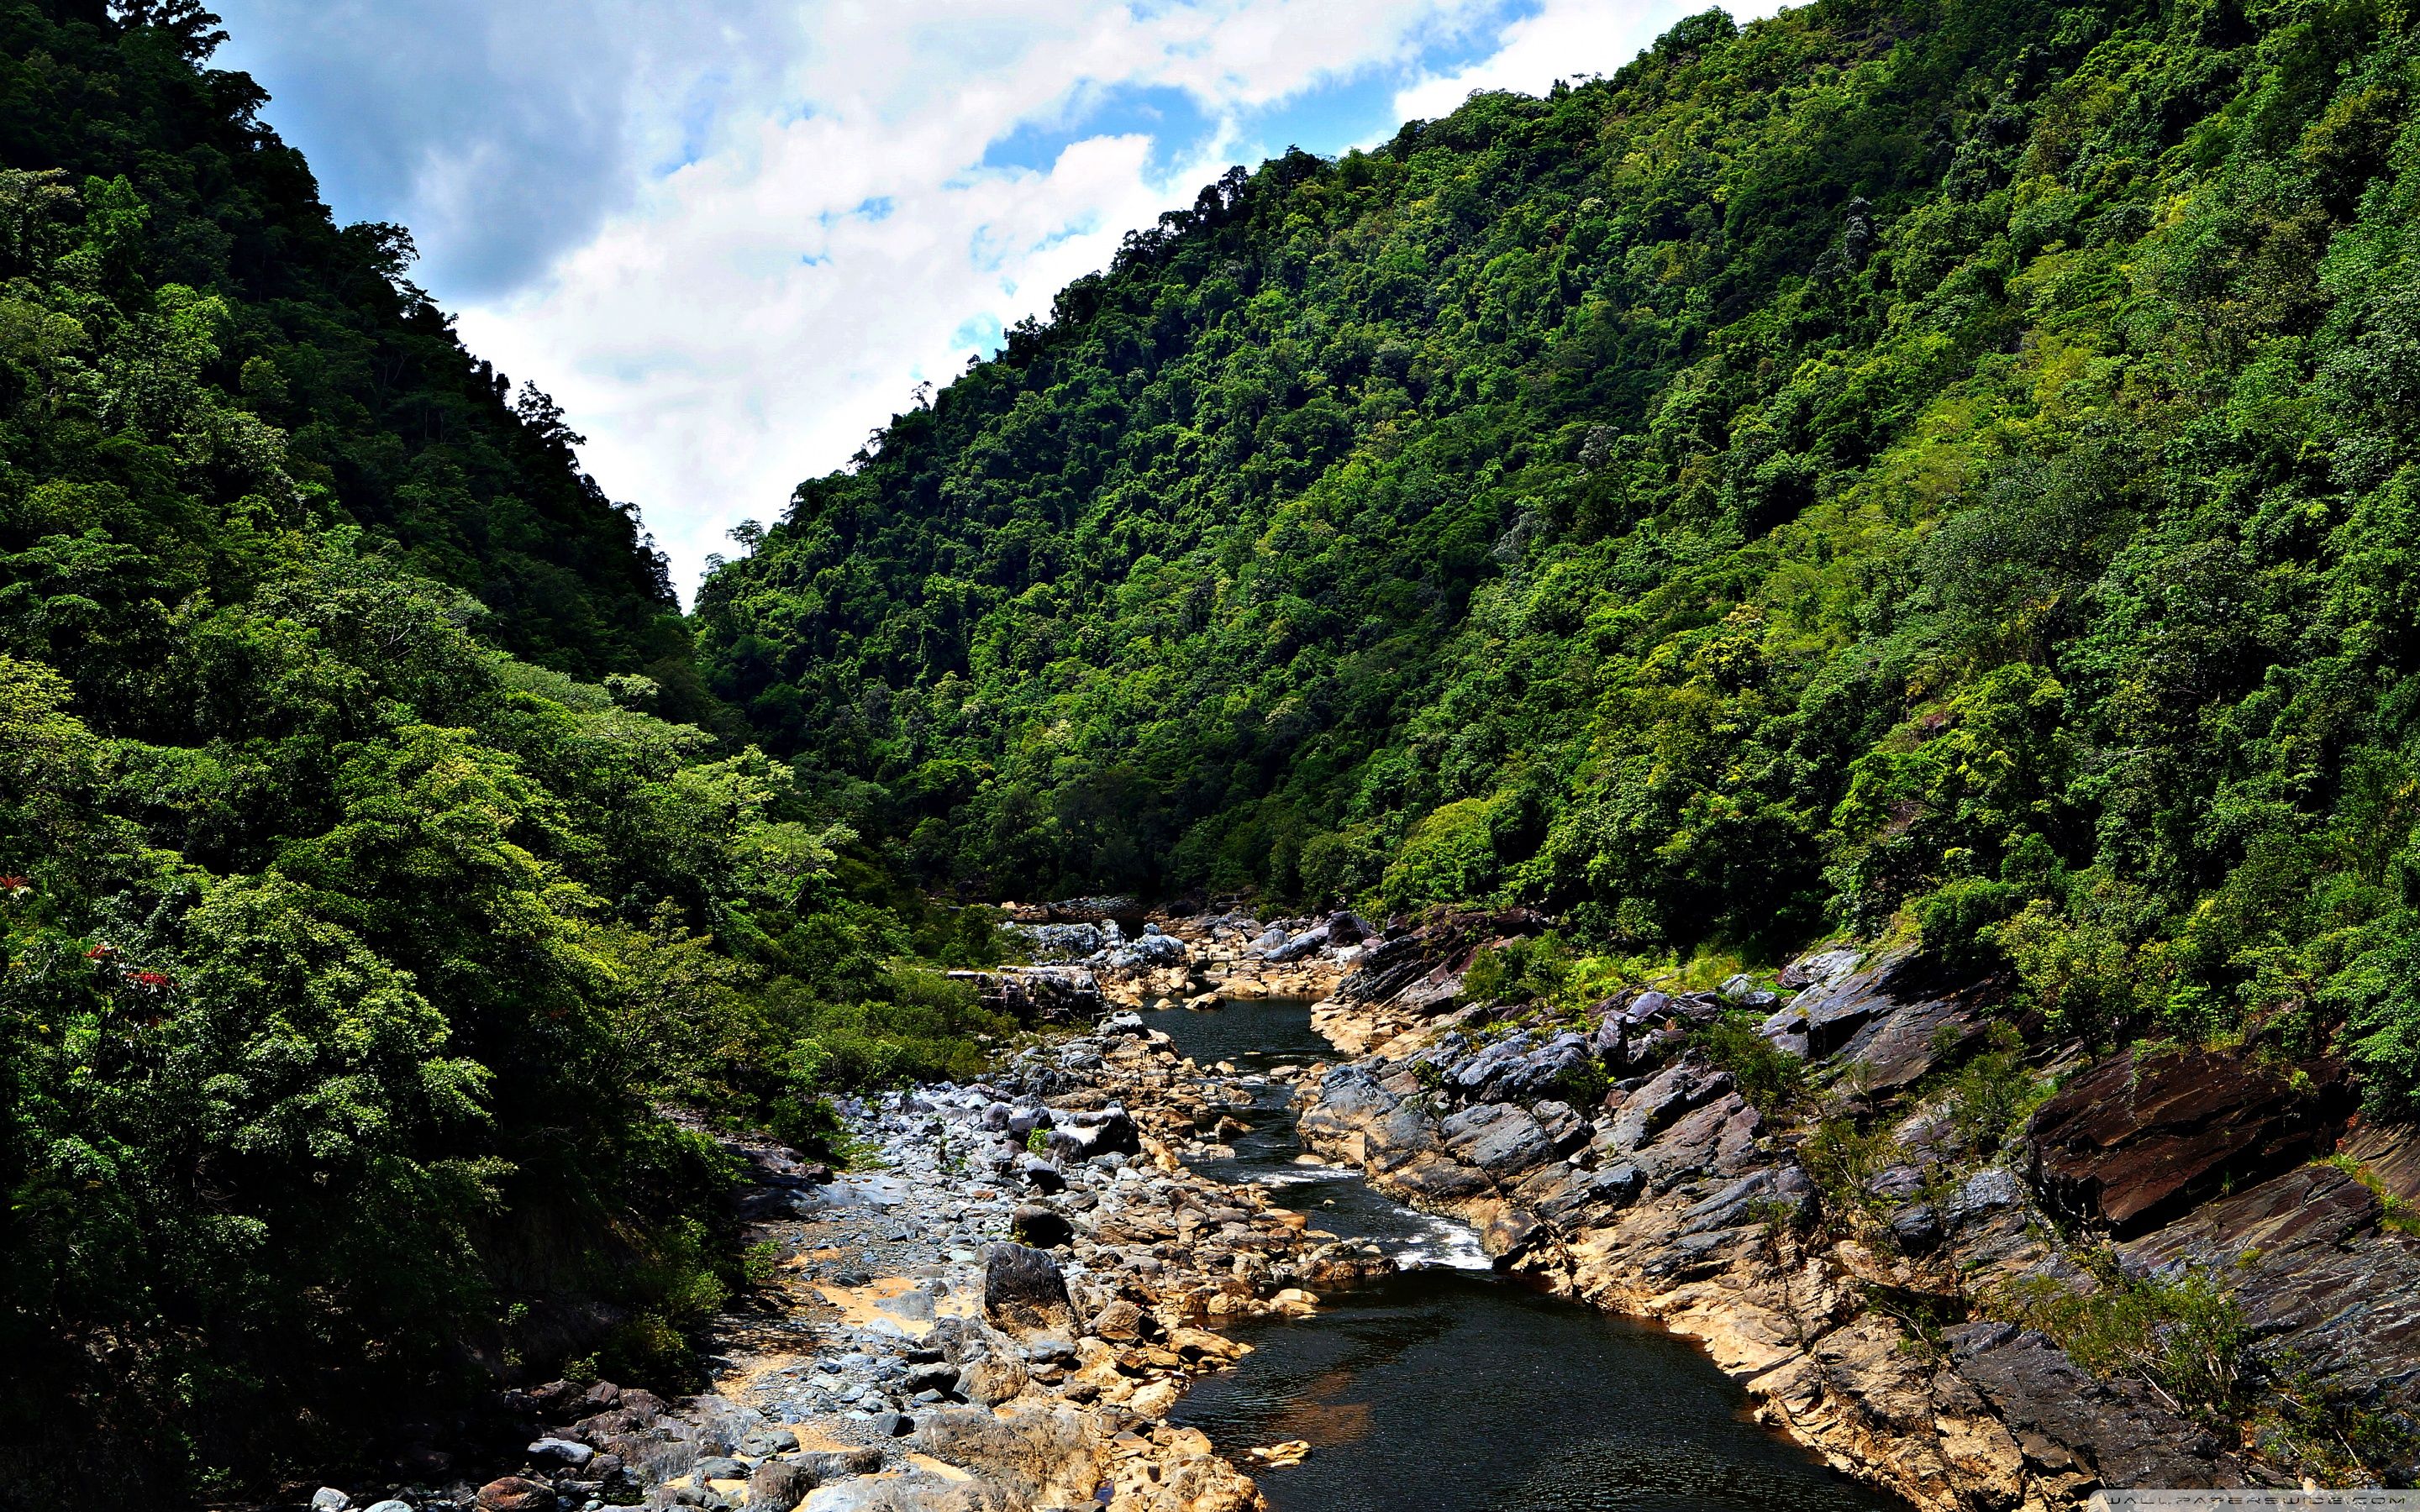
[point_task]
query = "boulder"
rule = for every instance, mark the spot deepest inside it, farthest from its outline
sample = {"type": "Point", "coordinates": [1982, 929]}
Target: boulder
{"type": "Point", "coordinates": [1306, 943]}
{"type": "Point", "coordinates": [2139, 1138]}
{"type": "Point", "coordinates": [779, 1485]}
{"type": "Point", "coordinates": [516, 1494]}
{"type": "Point", "coordinates": [1023, 1288]}
{"type": "Point", "coordinates": [1119, 1322]}
{"type": "Point", "coordinates": [1348, 928]}
{"type": "Point", "coordinates": [1040, 1454]}
{"type": "Point", "coordinates": [1041, 1227]}
{"type": "Point", "coordinates": [567, 1453]}
{"type": "Point", "coordinates": [1079, 1136]}
{"type": "Point", "coordinates": [1471, 1078]}
{"type": "Point", "coordinates": [827, 1465]}
{"type": "Point", "coordinates": [991, 1378]}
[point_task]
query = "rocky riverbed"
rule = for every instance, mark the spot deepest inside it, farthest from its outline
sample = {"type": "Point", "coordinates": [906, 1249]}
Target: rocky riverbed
{"type": "Point", "coordinates": [1868, 1258]}
{"type": "Point", "coordinates": [1001, 1311]}
{"type": "Point", "coordinates": [995, 1313]}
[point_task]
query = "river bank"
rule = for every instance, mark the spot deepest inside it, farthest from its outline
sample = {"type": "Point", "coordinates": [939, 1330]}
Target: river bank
{"type": "Point", "coordinates": [1894, 1251]}
{"type": "Point", "coordinates": [994, 1311]}
{"type": "Point", "coordinates": [1008, 1310]}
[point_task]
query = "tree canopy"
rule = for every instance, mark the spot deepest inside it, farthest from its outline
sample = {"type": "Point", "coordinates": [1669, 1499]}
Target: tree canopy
{"type": "Point", "coordinates": [1941, 469]}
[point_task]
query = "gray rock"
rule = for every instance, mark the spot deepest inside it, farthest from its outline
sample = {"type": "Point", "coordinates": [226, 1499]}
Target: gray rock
{"type": "Point", "coordinates": [1497, 1138]}
{"type": "Point", "coordinates": [758, 1443]}
{"type": "Point", "coordinates": [329, 1498]}
{"type": "Point", "coordinates": [1646, 1009]}
{"type": "Point", "coordinates": [833, 1464]}
{"type": "Point", "coordinates": [1079, 1136]}
{"type": "Point", "coordinates": [1050, 1349]}
{"type": "Point", "coordinates": [1535, 1073]}
{"type": "Point", "coordinates": [1916, 1227]}
{"type": "Point", "coordinates": [567, 1453]}
{"type": "Point", "coordinates": [1303, 943]}
{"type": "Point", "coordinates": [390, 1504]}
{"type": "Point", "coordinates": [1475, 1074]}
{"type": "Point", "coordinates": [894, 1425]}
{"type": "Point", "coordinates": [1896, 1182]}
{"type": "Point", "coordinates": [1730, 1207]}
{"type": "Point", "coordinates": [1572, 1199]}
{"type": "Point", "coordinates": [721, 1467]}
{"type": "Point", "coordinates": [1042, 1176]}
{"type": "Point", "coordinates": [1159, 950]}
{"type": "Point", "coordinates": [1984, 1190]}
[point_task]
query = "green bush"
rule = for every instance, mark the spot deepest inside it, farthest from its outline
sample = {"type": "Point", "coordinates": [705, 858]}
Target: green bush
{"type": "Point", "coordinates": [1772, 1079]}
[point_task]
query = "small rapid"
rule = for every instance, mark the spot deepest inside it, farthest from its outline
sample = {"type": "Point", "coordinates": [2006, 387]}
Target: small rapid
{"type": "Point", "coordinates": [1448, 1388]}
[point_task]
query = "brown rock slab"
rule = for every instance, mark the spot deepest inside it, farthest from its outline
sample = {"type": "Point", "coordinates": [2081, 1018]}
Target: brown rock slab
{"type": "Point", "coordinates": [2139, 1138]}
{"type": "Point", "coordinates": [516, 1494]}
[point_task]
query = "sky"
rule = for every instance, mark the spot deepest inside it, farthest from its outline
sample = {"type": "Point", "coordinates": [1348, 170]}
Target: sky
{"type": "Point", "coordinates": [731, 238]}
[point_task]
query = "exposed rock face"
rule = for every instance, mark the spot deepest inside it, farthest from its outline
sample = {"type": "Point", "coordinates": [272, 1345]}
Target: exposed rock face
{"type": "Point", "coordinates": [2307, 1256]}
{"type": "Point", "coordinates": [2077, 1433]}
{"type": "Point", "coordinates": [1674, 1198]}
{"type": "Point", "coordinates": [2390, 1153]}
{"type": "Point", "coordinates": [2139, 1138]}
{"type": "Point", "coordinates": [1892, 1014]}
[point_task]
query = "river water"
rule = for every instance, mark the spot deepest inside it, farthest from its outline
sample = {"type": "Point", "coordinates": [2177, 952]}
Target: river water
{"type": "Point", "coordinates": [1446, 1388]}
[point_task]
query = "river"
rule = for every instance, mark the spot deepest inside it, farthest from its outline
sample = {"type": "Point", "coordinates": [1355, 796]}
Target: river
{"type": "Point", "coordinates": [1447, 1388]}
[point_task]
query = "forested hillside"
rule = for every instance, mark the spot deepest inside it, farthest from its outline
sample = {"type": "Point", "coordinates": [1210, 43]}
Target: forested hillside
{"type": "Point", "coordinates": [367, 922]}
{"type": "Point", "coordinates": [1944, 469]}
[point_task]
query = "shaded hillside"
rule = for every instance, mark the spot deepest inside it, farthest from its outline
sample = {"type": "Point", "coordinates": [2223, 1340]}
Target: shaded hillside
{"type": "Point", "coordinates": [203, 240]}
{"type": "Point", "coordinates": [370, 978]}
{"type": "Point", "coordinates": [1943, 468]}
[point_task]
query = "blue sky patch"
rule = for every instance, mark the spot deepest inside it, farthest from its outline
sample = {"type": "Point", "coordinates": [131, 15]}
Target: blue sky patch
{"type": "Point", "coordinates": [1171, 117]}
{"type": "Point", "coordinates": [981, 332]}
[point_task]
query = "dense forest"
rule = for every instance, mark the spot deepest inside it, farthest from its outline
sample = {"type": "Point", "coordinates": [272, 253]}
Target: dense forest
{"type": "Point", "coordinates": [1935, 469]}
{"type": "Point", "coordinates": [379, 949]}
{"type": "Point", "coordinates": [1946, 471]}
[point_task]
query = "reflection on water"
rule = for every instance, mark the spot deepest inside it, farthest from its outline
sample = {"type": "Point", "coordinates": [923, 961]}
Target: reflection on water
{"type": "Point", "coordinates": [1446, 1389]}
